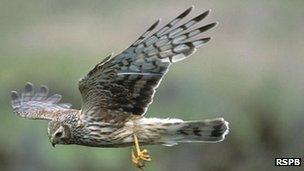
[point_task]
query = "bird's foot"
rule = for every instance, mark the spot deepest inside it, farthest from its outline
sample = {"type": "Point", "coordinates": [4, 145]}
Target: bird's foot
{"type": "Point", "coordinates": [139, 157]}
{"type": "Point", "coordinates": [138, 161]}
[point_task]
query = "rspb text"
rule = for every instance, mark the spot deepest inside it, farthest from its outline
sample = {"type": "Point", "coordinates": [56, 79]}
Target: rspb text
{"type": "Point", "coordinates": [287, 161]}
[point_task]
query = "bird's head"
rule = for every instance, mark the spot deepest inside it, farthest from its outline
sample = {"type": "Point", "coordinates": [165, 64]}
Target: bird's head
{"type": "Point", "coordinates": [59, 133]}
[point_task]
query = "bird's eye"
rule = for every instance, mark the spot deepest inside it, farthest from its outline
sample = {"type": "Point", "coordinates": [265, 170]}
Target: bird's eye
{"type": "Point", "coordinates": [58, 134]}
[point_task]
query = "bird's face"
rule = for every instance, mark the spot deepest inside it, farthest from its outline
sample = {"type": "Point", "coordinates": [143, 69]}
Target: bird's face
{"type": "Point", "coordinates": [58, 133]}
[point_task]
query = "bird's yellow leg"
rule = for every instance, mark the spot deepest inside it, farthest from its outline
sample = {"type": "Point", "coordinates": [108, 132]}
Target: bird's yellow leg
{"type": "Point", "coordinates": [140, 156]}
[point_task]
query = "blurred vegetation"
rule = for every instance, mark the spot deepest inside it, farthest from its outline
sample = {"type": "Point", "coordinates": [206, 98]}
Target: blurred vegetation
{"type": "Point", "coordinates": [251, 73]}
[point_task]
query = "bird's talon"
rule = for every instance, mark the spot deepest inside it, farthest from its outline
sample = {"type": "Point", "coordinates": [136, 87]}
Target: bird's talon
{"type": "Point", "coordinates": [137, 161]}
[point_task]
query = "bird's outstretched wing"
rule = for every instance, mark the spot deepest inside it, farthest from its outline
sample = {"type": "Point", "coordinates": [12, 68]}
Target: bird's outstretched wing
{"type": "Point", "coordinates": [37, 105]}
{"type": "Point", "coordinates": [126, 83]}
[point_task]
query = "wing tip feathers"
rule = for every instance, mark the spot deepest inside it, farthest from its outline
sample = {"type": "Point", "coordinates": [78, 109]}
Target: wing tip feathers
{"type": "Point", "coordinates": [28, 94]}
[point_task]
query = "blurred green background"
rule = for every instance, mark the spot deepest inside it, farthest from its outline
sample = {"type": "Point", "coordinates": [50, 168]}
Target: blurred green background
{"type": "Point", "coordinates": [251, 73]}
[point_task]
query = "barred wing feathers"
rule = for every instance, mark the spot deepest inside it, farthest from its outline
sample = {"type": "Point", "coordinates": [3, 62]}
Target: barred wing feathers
{"type": "Point", "coordinates": [37, 105]}
{"type": "Point", "coordinates": [127, 82]}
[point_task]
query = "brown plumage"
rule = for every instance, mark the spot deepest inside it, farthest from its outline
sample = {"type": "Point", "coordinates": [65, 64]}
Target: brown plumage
{"type": "Point", "coordinates": [117, 92]}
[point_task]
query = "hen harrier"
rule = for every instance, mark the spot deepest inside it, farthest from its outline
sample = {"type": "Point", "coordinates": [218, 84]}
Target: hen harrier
{"type": "Point", "coordinates": [117, 92]}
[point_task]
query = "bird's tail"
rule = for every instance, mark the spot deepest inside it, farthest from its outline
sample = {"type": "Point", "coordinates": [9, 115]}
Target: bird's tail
{"type": "Point", "coordinates": [175, 131]}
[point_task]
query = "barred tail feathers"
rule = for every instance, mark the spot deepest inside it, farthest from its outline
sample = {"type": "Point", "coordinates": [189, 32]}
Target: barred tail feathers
{"type": "Point", "coordinates": [174, 131]}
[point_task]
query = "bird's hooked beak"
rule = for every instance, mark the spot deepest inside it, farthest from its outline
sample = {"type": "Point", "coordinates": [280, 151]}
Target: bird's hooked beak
{"type": "Point", "coordinates": [52, 142]}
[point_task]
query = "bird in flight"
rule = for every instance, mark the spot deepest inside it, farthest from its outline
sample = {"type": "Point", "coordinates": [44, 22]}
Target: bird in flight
{"type": "Point", "coordinates": [117, 92]}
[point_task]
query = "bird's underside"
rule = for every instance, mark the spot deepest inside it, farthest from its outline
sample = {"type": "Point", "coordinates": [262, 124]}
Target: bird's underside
{"type": "Point", "coordinates": [117, 92]}
{"type": "Point", "coordinates": [152, 131]}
